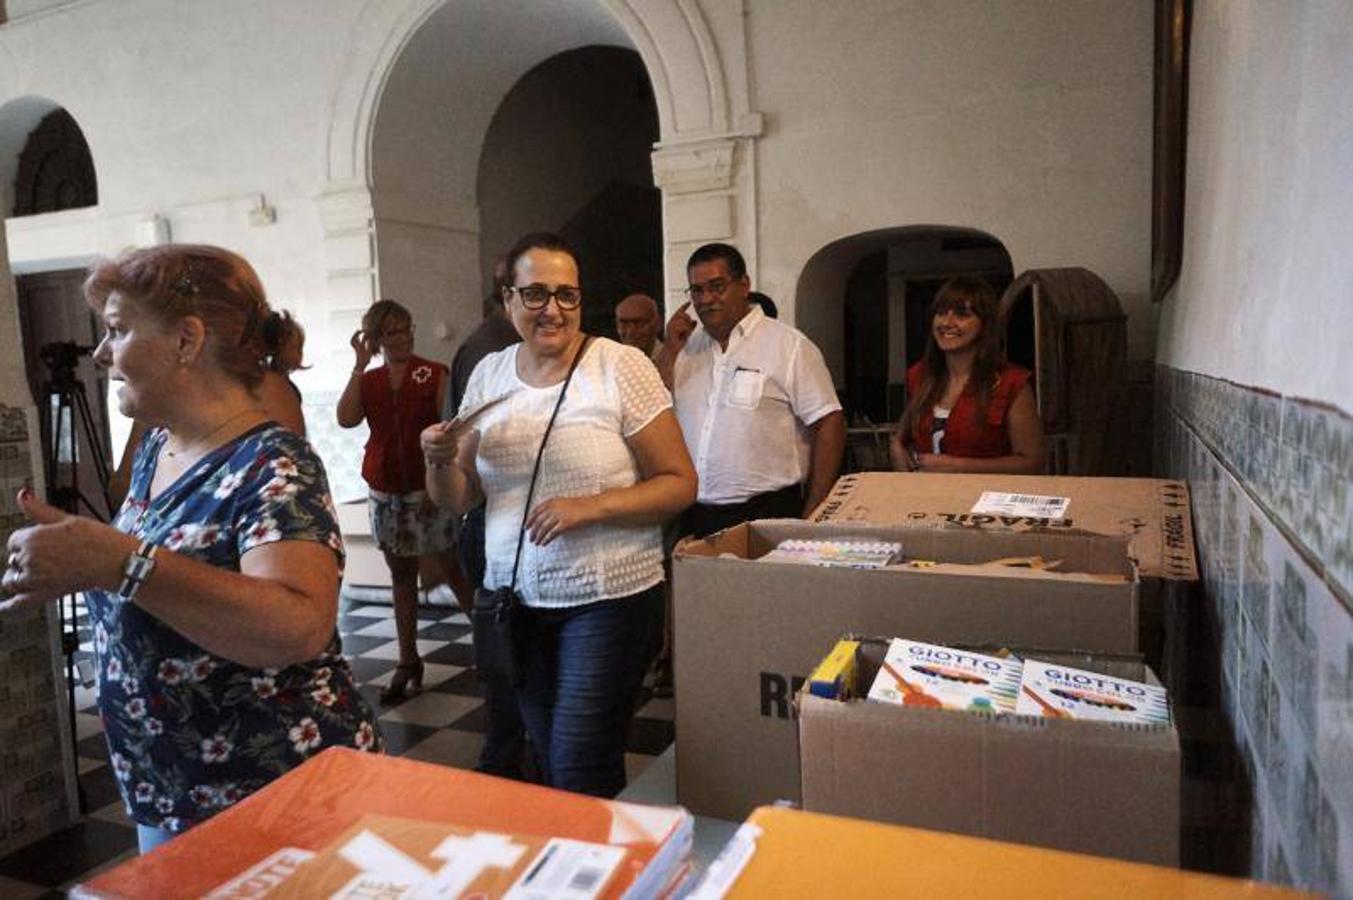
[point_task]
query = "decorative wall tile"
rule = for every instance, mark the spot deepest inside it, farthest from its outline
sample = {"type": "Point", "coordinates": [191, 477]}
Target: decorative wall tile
{"type": "Point", "coordinates": [1334, 696]}
{"type": "Point", "coordinates": [1293, 645]}
{"type": "Point", "coordinates": [1255, 582]}
{"type": "Point", "coordinates": [1226, 585]}
{"type": "Point", "coordinates": [37, 763]}
{"type": "Point", "coordinates": [339, 448]}
{"type": "Point", "coordinates": [1272, 484]}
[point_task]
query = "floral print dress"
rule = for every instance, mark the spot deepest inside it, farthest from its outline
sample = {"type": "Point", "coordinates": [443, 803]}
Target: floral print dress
{"type": "Point", "coordinates": [189, 733]}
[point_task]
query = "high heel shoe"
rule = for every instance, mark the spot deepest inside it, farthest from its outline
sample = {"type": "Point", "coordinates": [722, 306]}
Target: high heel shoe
{"type": "Point", "coordinates": [405, 681]}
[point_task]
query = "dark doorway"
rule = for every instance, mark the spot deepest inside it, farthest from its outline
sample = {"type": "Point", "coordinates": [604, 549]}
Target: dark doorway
{"type": "Point", "coordinates": [570, 150]}
{"type": "Point", "coordinates": [887, 294]}
{"type": "Point", "coordinates": [866, 338]}
{"type": "Point", "coordinates": [620, 259]}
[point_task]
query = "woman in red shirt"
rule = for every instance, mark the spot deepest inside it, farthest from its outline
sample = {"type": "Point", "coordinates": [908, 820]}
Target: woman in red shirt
{"type": "Point", "coordinates": [968, 409]}
{"type": "Point", "coordinates": [398, 400]}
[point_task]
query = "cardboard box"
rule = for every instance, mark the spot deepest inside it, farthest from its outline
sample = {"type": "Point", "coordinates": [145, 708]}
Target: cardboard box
{"type": "Point", "coordinates": [1090, 787]}
{"type": "Point", "coordinates": [747, 634]}
{"type": "Point", "coordinates": [1154, 514]}
{"type": "Point", "coordinates": [786, 853]}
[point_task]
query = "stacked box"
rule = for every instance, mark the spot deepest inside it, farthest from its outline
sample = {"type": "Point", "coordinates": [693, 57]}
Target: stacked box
{"type": "Point", "coordinates": [749, 633]}
{"type": "Point", "coordinates": [1106, 788]}
{"type": "Point", "coordinates": [37, 762]}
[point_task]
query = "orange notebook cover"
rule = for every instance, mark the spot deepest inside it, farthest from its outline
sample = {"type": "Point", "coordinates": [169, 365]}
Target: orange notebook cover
{"type": "Point", "coordinates": [260, 843]}
{"type": "Point", "coordinates": [784, 853]}
{"type": "Point", "coordinates": [406, 858]}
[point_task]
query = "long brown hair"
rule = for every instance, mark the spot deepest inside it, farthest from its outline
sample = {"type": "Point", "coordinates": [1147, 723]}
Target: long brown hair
{"type": "Point", "coordinates": [986, 365]}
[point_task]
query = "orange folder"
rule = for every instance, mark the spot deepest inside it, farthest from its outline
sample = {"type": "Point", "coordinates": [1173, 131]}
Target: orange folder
{"type": "Point", "coordinates": [312, 806]}
{"type": "Point", "coordinates": [784, 853]}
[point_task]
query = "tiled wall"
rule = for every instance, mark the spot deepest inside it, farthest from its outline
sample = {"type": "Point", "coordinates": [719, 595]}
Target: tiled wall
{"type": "Point", "coordinates": [339, 448]}
{"type": "Point", "coordinates": [1270, 478]}
{"type": "Point", "coordinates": [37, 764]}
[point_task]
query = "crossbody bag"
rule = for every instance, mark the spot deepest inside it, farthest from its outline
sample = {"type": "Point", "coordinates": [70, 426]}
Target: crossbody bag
{"type": "Point", "coordinates": [497, 613]}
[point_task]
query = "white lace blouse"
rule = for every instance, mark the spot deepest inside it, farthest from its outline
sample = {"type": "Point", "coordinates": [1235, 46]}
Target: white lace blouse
{"type": "Point", "coordinates": [614, 394]}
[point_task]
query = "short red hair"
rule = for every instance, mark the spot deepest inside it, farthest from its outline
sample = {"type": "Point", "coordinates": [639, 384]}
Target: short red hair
{"type": "Point", "coordinates": [171, 282]}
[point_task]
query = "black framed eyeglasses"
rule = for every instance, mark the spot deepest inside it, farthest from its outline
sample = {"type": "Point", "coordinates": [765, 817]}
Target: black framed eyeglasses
{"type": "Point", "coordinates": [535, 296]}
{"type": "Point", "coordinates": [714, 288]}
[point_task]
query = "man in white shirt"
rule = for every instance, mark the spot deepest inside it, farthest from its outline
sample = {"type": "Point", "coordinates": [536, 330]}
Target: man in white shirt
{"type": "Point", "coordinates": [754, 398]}
{"type": "Point", "coordinates": [637, 322]}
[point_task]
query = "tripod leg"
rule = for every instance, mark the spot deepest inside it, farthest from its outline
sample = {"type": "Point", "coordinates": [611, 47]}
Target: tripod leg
{"type": "Point", "coordinates": [85, 419]}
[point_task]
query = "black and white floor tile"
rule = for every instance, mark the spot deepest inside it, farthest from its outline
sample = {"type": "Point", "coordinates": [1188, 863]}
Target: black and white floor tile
{"type": "Point", "coordinates": [443, 724]}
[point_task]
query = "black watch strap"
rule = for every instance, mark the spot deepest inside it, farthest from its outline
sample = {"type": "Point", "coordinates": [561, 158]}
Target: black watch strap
{"type": "Point", "coordinates": [136, 570]}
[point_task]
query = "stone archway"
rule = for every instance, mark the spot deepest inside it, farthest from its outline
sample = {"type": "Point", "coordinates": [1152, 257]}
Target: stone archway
{"type": "Point", "coordinates": [703, 164]}
{"type": "Point", "coordinates": [863, 299]}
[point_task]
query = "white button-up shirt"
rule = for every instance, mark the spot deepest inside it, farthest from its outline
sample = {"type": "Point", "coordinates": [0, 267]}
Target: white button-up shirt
{"type": "Point", "coordinates": [746, 411]}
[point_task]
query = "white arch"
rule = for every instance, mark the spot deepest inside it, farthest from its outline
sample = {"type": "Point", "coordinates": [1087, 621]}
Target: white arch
{"type": "Point", "coordinates": [817, 295]}
{"type": "Point", "coordinates": [673, 39]}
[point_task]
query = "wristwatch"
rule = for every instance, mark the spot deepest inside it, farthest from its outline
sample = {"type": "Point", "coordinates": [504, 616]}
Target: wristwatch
{"type": "Point", "coordinates": [136, 570]}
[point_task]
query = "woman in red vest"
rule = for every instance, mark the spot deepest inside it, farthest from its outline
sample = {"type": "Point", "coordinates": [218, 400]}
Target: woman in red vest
{"type": "Point", "coordinates": [398, 400]}
{"type": "Point", "coordinates": [968, 409]}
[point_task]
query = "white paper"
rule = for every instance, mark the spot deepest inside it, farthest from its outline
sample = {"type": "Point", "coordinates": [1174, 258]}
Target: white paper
{"type": "Point", "coordinates": [1033, 506]}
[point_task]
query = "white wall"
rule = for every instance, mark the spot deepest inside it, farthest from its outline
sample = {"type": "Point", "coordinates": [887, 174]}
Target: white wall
{"type": "Point", "coordinates": [1028, 121]}
{"type": "Point", "coordinates": [196, 112]}
{"type": "Point", "coordinates": [434, 112]}
{"type": "Point", "coordinates": [1265, 297]}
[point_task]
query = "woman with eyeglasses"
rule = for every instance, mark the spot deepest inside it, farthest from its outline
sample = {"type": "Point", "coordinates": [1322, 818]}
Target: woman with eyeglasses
{"type": "Point", "coordinates": [968, 409]}
{"type": "Point", "coordinates": [613, 470]}
{"type": "Point", "coordinates": [398, 400]}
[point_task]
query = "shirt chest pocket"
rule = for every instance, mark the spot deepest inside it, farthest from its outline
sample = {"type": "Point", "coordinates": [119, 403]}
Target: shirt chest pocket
{"type": "Point", "coordinates": [745, 388]}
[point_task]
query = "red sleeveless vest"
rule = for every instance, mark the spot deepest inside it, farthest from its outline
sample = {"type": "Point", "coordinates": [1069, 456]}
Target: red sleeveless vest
{"type": "Point", "coordinates": [967, 433]}
{"type": "Point", "coordinates": [393, 462]}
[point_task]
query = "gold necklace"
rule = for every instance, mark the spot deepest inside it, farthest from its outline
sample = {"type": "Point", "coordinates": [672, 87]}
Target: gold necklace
{"type": "Point", "coordinates": [174, 454]}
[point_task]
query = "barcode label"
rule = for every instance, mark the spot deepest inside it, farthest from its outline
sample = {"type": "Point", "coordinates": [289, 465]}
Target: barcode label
{"type": "Point", "coordinates": [586, 879]}
{"type": "Point", "coordinates": [568, 870]}
{"type": "Point", "coordinates": [1030, 505]}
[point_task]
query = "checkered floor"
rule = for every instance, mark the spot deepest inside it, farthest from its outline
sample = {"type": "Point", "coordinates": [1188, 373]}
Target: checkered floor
{"type": "Point", "coordinates": [443, 724]}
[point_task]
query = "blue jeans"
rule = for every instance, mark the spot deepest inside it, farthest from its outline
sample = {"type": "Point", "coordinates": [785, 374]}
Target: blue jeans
{"type": "Point", "coordinates": [148, 837]}
{"type": "Point", "coordinates": [582, 670]}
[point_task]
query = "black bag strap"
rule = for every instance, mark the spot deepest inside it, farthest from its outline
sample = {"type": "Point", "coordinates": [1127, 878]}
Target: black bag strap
{"type": "Point", "coordinates": [540, 454]}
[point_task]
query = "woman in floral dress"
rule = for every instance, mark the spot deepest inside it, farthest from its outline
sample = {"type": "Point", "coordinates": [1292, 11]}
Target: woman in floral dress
{"type": "Point", "coordinates": [214, 595]}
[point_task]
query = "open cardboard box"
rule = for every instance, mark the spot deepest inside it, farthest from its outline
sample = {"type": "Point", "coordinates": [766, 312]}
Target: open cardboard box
{"type": "Point", "coordinates": [1152, 513]}
{"type": "Point", "coordinates": [748, 633]}
{"type": "Point", "coordinates": [1092, 787]}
